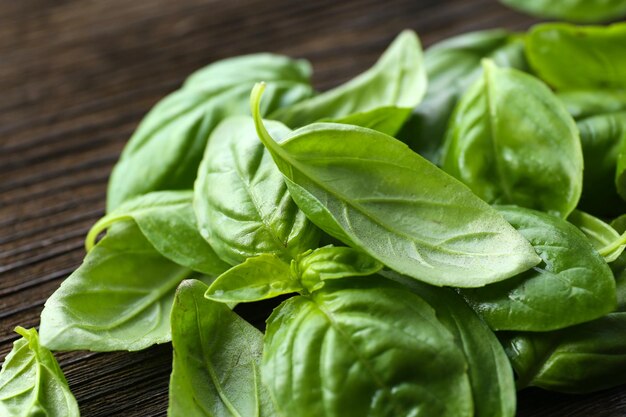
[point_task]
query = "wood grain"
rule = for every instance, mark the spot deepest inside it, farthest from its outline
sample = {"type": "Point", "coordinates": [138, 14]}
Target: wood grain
{"type": "Point", "coordinates": [77, 76]}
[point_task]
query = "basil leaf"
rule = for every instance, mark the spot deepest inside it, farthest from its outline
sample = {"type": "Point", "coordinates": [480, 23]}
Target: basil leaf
{"type": "Point", "coordinates": [620, 172]}
{"type": "Point", "coordinates": [602, 139]}
{"type": "Point", "coordinates": [165, 151]}
{"type": "Point", "coordinates": [167, 221]}
{"type": "Point", "coordinates": [512, 142]}
{"type": "Point", "coordinates": [397, 80]}
{"type": "Point", "coordinates": [363, 339]}
{"type": "Point", "coordinates": [258, 278]}
{"type": "Point", "coordinates": [582, 104]}
{"type": "Point", "coordinates": [232, 71]}
{"type": "Point", "coordinates": [386, 120]}
{"type": "Point", "coordinates": [602, 236]}
{"type": "Point", "coordinates": [584, 11]}
{"type": "Point", "coordinates": [424, 223]}
{"type": "Point", "coordinates": [332, 262]}
{"type": "Point", "coordinates": [241, 200]}
{"type": "Point", "coordinates": [580, 359]}
{"type": "Point", "coordinates": [572, 285]}
{"type": "Point", "coordinates": [490, 373]}
{"type": "Point", "coordinates": [217, 358]}
{"type": "Point", "coordinates": [601, 117]}
{"type": "Point", "coordinates": [595, 56]}
{"type": "Point", "coordinates": [266, 276]}
{"type": "Point", "coordinates": [32, 383]}
{"type": "Point", "coordinates": [120, 298]}
{"type": "Point", "coordinates": [451, 67]}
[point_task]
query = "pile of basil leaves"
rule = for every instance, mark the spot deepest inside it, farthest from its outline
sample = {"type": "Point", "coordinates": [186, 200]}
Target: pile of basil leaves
{"type": "Point", "coordinates": [427, 227]}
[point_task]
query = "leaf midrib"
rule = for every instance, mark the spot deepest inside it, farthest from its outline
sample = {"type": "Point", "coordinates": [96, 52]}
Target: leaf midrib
{"type": "Point", "coordinates": [373, 219]}
{"type": "Point", "coordinates": [208, 363]}
{"type": "Point", "coordinates": [260, 217]}
{"type": "Point", "coordinates": [375, 377]}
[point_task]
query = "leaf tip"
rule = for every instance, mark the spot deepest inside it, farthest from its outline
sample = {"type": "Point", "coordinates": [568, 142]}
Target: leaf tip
{"type": "Point", "coordinates": [487, 64]}
{"type": "Point", "coordinates": [21, 331]}
{"type": "Point", "coordinates": [255, 99]}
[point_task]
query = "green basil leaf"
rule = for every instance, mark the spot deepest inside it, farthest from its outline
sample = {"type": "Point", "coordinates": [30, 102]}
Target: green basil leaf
{"type": "Point", "coordinates": [580, 359]}
{"type": "Point", "coordinates": [602, 138]}
{"type": "Point", "coordinates": [601, 120]}
{"type": "Point", "coordinates": [332, 262]}
{"type": "Point", "coordinates": [32, 383]}
{"type": "Point", "coordinates": [620, 172]}
{"type": "Point", "coordinates": [583, 11]}
{"type": "Point", "coordinates": [490, 373]}
{"type": "Point", "coordinates": [397, 82]}
{"type": "Point", "coordinates": [451, 67]}
{"type": "Point", "coordinates": [120, 298]}
{"type": "Point", "coordinates": [232, 71]}
{"type": "Point", "coordinates": [582, 104]}
{"type": "Point", "coordinates": [167, 221]}
{"type": "Point", "coordinates": [602, 236]}
{"type": "Point", "coordinates": [258, 278]}
{"type": "Point", "coordinates": [373, 193]}
{"type": "Point", "coordinates": [266, 276]}
{"type": "Point", "coordinates": [241, 200]}
{"type": "Point", "coordinates": [363, 339]}
{"type": "Point", "coordinates": [620, 289]}
{"type": "Point", "coordinates": [619, 265]}
{"type": "Point", "coordinates": [572, 285]}
{"type": "Point", "coordinates": [217, 359]}
{"type": "Point", "coordinates": [165, 151]}
{"type": "Point", "coordinates": [386, 120]}
{"type": "Point", "coordinates": [512, 142]}
{"type": "Point", "coordinates": [595, 56]}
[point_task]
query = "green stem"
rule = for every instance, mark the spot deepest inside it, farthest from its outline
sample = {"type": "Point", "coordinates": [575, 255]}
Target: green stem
{"type": "Point", "coordinates": [605, 251]}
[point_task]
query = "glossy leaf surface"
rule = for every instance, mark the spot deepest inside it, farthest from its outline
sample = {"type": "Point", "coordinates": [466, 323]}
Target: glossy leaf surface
{"type": "Point", "coordinates": [595, 56]}
{"type": "Point", "coordinates": [241, 200]}
{"type": "Point", "coordinates": [120, 298]}
{"type": "Point", "coordinates": [258, 278]}
{"type": "Point", "coordinates": [572, 285]}
{"type": "Point", "coordinates": [397, 82]}
{"type": "Point", "coordinates": [332, 262]}
{"type": "Point", "coordinates": [580, 359]}
{"type": "Point", "coordinates": [166, 149]}
{"type": "Point", "coordinates": [489, 370]}
{"type": "Point", "coordinates": [372, 192]}
{"type": "Point", "coordinates": [512, 142]}
{"type": "Point", "coordinates": [167, 221]}
{"type": "Point", "coordinates": [266, 276]}
{"type": "Point", "coordinates": [32, 383]}
{"type": "Point", "coordinates": [582, 104]}
{"type": "Point", "coordinates": [451, 67]}
{"type": "Point", "coordinates": [217, 357]}
{"type": "Point", "coordinates": [363, 348]}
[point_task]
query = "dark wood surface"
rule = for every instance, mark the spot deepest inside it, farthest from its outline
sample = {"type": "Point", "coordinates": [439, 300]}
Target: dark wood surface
{"type": "Point", "coordinates": [75, 79]}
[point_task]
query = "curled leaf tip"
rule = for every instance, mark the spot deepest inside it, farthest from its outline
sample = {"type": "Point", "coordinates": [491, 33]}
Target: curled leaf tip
{"type": "Point", "coordinates": [255, 99]}
{"type": "Point", "coordinates": [255, 107]}
{"type": "Point", "coordinates": [487, 64]}
{"type": "Point", "coordinates": [20, 330]}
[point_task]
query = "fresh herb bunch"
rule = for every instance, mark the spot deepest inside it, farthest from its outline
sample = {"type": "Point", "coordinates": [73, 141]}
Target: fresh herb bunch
{"type": "Point", "coordinates": [428, 226]}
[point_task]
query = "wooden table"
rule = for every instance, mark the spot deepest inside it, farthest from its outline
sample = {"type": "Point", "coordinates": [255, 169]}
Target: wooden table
{"type": "Point", "coordinates": [75, 79]}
